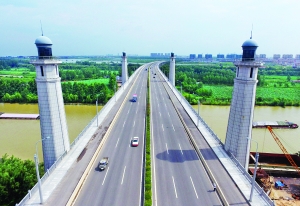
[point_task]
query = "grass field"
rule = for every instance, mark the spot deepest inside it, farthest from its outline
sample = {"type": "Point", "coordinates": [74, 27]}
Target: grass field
{"type": "Point", "coordinates": [265, 94]}
{"type": "Point", "coordinates": [17, 73]}
{"type": "Point", "coordinates": [91, 81]}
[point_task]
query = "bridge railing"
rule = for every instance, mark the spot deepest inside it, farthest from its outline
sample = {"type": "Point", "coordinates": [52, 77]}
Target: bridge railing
{"type": "Point", "coordinates": [102, 113]}
{"type": "Point", "coordinates": [196, 117]}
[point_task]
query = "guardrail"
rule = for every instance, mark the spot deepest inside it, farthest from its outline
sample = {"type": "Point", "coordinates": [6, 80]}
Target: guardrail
{"type": "Point", "coordinates": [196, 117]}
{"type": "Point", "coordinates": [106, 108]}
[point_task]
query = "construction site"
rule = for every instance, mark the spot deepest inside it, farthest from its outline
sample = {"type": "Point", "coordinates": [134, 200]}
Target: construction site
{"type": "Point", "coordinates": [278, 174]}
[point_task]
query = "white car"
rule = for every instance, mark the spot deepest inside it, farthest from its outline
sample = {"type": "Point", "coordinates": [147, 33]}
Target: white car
{"type": "Point", "coordinates": [135, 142]}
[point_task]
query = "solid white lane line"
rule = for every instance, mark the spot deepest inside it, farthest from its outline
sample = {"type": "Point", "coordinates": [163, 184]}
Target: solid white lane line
{"type": "Point", "coordinates": [167, 148]}
{"type": "Point", "coordinates": [117, 143]}
{"type": "Point", "coordinates": [133, 123]}
{"type": "Point", "coordinates": [174, 187]}
{"type": "Point", "coordinates": [173, 128]}
{"type": "Point", "coordinates": [180, 149]}
{"type": "Point", "coordinates": [123, 175]}
{"type": "Point", "coordinates": [194, 187]}
{"type": "Point", "coordinates": [105, 175]}
{"type": "Point", "coordinates": [123, 124]}
{"type": "Point", "coordinates": [162, 126]}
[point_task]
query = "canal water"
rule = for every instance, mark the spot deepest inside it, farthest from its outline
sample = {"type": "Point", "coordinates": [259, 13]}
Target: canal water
{"type": "Point", "coordinates": [18, 137]}
{"type": "Point", "coordinates": [217, 118]}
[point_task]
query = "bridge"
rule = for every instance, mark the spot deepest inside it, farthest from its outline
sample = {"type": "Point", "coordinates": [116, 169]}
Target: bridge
{"type": "Point", "coordinates": [187, 157]}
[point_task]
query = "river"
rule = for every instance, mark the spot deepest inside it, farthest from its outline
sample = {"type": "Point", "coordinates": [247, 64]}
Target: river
{"type": "Point", "coordinates": [18, 137]}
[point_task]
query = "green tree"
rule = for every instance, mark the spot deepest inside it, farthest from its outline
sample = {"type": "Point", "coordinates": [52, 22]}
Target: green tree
{"type": "Point", "coordinates": [16, 178]}
{"type": "Point", "coordinates": [112, 84]}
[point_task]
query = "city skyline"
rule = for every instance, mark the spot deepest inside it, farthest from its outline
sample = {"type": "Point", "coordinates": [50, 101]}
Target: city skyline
{"type": "Point", "coordinates": [143, 27]}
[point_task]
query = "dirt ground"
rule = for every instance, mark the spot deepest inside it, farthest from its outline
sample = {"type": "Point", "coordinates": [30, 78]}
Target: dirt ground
{"type": "Point", "coordinates": [283, 197]}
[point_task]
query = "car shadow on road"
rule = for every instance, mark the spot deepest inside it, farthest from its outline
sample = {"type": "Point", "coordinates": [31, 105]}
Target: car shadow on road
{"type": "Point", "coordinates": [177, 155]}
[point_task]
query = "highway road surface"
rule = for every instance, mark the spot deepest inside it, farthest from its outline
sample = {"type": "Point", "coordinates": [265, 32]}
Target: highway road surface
{"type": "Point", "coordinates": [121, 182]}
{"type": "Point", "coordinates": [179, 177]}
{"type": "Point", "coordinates": [230, 190]}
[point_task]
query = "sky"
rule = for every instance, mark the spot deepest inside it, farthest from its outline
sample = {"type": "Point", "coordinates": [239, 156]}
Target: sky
{"type": "Point", "coordinates": [141, 27]}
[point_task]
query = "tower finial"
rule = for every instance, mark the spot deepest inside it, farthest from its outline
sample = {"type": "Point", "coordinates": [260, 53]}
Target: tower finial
{"type": "Point", "coordinates": [251, 32]}
{"type": "Point", "coordinates": [42, 28]}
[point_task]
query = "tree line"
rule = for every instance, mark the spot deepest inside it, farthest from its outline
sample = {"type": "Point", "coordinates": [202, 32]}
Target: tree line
{"type": "Point", "coordinates": [191, 78]}
{"type": "Point", "coordinates": [24, 91]}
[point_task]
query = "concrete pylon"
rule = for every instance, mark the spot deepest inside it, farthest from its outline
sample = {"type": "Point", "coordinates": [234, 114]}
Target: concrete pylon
{"type": "Point", "coordinates": [239, 128]}
{"type": "Point", "coordinates": [53, 122]}
{"type": "Point", "coordinates": [172, 69]}
{"type": "Point", "coordinates": [124, 69]}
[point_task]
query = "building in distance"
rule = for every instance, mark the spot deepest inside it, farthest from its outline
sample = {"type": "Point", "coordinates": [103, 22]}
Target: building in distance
{"type": "Point", "coordinates": [192, 56]}
{"type": "Point", "coordinates": [287, 56]}
{"type": "Point", "coordinates": [276, 56]}
{"type": "Point", "coordinates": [220, 56]}
{"type": "Point", "coordinates": [208, 56]}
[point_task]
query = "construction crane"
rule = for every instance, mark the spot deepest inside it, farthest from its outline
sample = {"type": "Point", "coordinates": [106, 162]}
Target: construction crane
{"type": "Point", "coordinates": [285, 152]}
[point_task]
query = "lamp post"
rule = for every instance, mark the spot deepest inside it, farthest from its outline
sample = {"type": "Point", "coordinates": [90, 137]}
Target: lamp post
{"type": "Point", "coordinates": [198, 112]}
{"type": "Point", "coordinates": [97, 109]}
{"type": "Point", "coordinates": [255, 169]}
{"type": "Point", "coordinates": [36, 160]}
{"type": "Point", "coordinates": [181, 91]}
{"type": "Point", "coordinates": [115, 94]}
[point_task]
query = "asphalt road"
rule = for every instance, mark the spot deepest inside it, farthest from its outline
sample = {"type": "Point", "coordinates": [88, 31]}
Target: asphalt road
{"type": "Point", "coordinates": [179, 177]}
{"type": "Point", "coordinates": [121, 182]}
{"type": "Point", "coordinates": [226, 184]}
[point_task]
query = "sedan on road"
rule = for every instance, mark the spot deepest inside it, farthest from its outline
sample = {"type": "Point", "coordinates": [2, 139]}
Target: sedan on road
{"type": "Point", "coordinates": [135, 142]}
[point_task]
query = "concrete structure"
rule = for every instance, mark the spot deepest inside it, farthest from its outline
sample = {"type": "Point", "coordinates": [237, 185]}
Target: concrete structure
{"type": "Point", "coordinates": [172, 69]}
{"type": "Point", "coordinates": [50, 100]}
{"type": "Point", "coordinates": [242, 105]}
{"type": "Point", "coordinates": [124, 68]}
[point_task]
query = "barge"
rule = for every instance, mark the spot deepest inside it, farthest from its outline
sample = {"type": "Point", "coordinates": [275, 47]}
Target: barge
{"type": "Point", "coordinates": [275, 124]}
{"type": "Point", "coordinates": [19, 116]}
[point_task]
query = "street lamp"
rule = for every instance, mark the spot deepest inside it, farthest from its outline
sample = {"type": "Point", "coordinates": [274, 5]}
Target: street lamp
{"type": "Point", "coordinates": [198, 112]}
{"type": "Point", "coordinates": [255, 169]}
{"type": "Point", "coordinates": [115, 94]}
{"type": "Point", "coordinates": [36, 160]}
{"type": "Point", "coordinates": [181, 91]}
{"type": "Point", "coordinates": [97, 109]}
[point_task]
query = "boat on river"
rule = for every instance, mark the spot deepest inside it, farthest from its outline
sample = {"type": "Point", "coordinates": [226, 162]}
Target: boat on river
{"type": "Point", "coordinates": [275, 124]}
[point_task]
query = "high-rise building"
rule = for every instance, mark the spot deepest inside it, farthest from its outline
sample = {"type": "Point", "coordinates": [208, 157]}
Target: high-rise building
{"type": "Point", "coordinates": [208, 56]}
{"type": "Point", "coordinates": [287, 56]}
{"type": "Point", "coordinates": [220, 56]}
{"type": "Point", "coordinates": [192, 56]}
